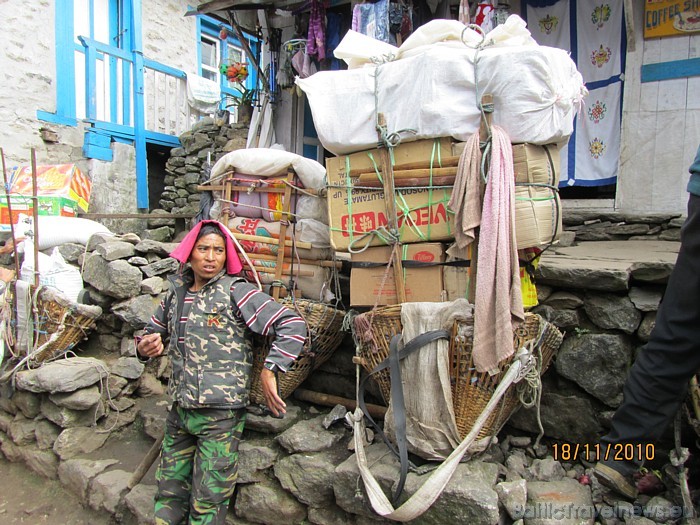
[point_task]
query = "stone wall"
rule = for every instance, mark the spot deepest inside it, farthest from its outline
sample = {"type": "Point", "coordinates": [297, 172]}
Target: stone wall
{"type": "Point", "coordinates": [67, 419]}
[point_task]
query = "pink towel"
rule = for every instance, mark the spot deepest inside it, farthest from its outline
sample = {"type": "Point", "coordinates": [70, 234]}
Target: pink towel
{"type": "Point", "coordinates": [498, 301]}
{"type": "Point", "coordinates": [184, 249]}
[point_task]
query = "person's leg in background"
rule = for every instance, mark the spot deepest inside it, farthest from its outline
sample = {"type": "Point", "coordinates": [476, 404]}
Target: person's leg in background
{"type": "Point", "coordinates": [658, 381]}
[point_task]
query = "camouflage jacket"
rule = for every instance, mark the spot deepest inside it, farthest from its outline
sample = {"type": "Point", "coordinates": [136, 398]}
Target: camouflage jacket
{"type": "Point", "coordinates": [212, 368]}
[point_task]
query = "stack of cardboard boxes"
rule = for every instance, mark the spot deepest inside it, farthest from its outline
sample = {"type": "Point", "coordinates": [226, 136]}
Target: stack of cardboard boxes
{"type": "Point", "coordinates": [359, 221]}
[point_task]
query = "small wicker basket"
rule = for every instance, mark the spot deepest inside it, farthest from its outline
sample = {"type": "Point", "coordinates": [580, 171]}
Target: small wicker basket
{"type": "Point", "coordinates": [325, 334]}
{"type": "Point", "coordinates": [59, 323]}
{"type": "Point", "coordinates": [471, 390]}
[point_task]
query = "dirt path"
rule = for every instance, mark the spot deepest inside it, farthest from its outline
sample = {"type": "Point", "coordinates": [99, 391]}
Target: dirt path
{"type": "Point", "coordinates": [28, 498]}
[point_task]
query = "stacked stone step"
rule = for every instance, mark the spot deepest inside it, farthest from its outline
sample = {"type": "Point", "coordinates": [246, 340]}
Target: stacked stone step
{"type": "Point", "coordinates": [201, 147]}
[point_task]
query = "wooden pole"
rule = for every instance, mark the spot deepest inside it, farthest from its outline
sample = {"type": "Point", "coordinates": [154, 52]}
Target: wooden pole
{"type": "Point", "coordinates": [390, 203]}
{"type": "Point", "coordinates": [227, 197]}
{"type": "Point", "coordinates": [311, 262]}
{"type": "Point", "coordinates": [445, 162]}
{"type": "Point", "coordinates": [270, 240]}
{"type": "Point", "coordinates": [145, 464]}
{"type": "Point", "coordinates": [35, 216]}
{"type": "Point", "coordinates": [9, 211]}
{"type": "Point", "coordinates": [318, 398]}
{"type": "Point", "coordinates": [277, 272]}
{"type": "Point", "coordinates": [411, 174]}
{"type": "Point", "coordinates": [286, 205]}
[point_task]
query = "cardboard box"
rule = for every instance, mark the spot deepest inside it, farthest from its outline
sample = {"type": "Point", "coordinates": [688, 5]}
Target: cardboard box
{"type": "Point", "coordinates": [421, 283]}
{"type": "Point", "coordinates": [537, 205]}
{"type": "Point", "coordinates": [422, 212]}
{"type": "Point", "coordinates": [456, 277]}
{"type": "Point", "coordinates": [21, 204]}
{"type": "Point", "coordinates": [537, 208]}
{"type": "Point", "coordinates": [61, 180]}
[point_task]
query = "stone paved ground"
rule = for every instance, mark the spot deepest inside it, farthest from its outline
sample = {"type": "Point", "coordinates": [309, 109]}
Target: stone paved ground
{"type": "Point", "coordinates": [26, 497]}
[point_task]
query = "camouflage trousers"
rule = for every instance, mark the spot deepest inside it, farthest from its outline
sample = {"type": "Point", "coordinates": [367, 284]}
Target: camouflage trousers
{"type": "Point", "coordinates": [198, 466]}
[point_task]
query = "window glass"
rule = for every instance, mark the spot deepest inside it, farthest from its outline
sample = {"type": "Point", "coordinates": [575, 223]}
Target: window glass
{"type": "Point", "coordinates": [101, 21]}
{"type": "Point", "coordinates": [210, 58]}
{"type": "Point", "coordinates": [81, 19]}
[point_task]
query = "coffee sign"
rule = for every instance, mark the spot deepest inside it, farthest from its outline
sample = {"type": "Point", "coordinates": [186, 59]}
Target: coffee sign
{"type": "Point", "coordinates": [671, 17]}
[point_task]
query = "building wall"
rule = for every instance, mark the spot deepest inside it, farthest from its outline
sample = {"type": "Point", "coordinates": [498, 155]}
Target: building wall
{"type": "Point", "coordinates": [28, 62]}
{"type": "Point", "coordinates": [660, 126]}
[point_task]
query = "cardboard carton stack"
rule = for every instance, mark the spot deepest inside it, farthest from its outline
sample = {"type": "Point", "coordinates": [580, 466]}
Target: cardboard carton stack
{"type": "Point", "coordinates": [424, 177]}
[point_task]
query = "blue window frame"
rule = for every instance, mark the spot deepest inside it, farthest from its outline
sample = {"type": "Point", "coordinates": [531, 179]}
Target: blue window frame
{"type": "Point", "coordinates": [106, 21]}
{"type": "Point", "coordinates": [212, 51]}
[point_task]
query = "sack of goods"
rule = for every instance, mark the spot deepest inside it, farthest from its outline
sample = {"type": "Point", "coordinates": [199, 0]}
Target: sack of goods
{"type": "Point", "coordinates": [428, 87]}
{"type": "Point", "coordinates": [270, 200]}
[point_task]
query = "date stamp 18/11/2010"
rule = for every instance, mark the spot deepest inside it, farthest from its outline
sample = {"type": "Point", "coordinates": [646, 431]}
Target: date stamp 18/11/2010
{"type": "Point", "coordinates": [633, 452]}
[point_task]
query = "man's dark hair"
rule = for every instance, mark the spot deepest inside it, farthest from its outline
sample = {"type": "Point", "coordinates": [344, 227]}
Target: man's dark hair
{"type": "Point", "coordinates": [208, 229]}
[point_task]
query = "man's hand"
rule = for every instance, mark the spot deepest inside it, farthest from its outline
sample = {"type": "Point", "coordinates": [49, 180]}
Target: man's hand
{"type": "Point", "coordinates": [6, 274]}
{"type": "Point", "coordinates": [272, 399]}
{"type": "Point", "coordinates": [150, 345]}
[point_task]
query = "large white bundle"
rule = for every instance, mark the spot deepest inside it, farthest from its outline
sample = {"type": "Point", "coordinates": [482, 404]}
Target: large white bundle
{"type": "Point", "coordinates": [430, 88]}
{"type": "Point", "coordinates": [268, 162]}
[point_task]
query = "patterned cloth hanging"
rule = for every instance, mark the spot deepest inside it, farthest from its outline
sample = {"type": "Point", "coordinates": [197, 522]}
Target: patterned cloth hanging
{"type": "Point", "coordinates": [597, 44]}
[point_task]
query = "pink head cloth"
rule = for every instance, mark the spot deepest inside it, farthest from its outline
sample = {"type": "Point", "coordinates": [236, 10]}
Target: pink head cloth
{"type": "Point", "coordinates": [184, 249]}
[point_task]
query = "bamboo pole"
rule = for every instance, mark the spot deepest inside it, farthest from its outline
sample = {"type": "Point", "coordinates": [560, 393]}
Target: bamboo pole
{"type": "Point", "coordinates": [35, 216]}
{"type": "Point", "coordinates": [390, 203]}
{"type": "Point", "coordinates": [422, 164]}
{"type": "Point", "coordinates": [270, 240]}
{"type": "Point", "coordinates": [311, 262]}
{"type": "Point", "coordinates": [286, 205]}
{"type": "Point", "coordinates": [9, 212]}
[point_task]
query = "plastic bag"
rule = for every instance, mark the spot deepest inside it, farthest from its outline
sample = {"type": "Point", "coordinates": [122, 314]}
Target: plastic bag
{"type": "Point", "coordinates": [54, 271]}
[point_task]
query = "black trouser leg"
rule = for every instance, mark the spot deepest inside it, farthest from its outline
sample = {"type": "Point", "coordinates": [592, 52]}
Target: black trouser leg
{"type": "Point", "coordinates": [658, 380]}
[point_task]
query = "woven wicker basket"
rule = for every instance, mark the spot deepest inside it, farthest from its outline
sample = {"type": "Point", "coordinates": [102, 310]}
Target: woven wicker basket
{"type": "Point", "coordinates": [59, 323]}
{"type": "Point", "coordinates": [471, 390]}
{"type": "Point", "coordinates": [324, 336]}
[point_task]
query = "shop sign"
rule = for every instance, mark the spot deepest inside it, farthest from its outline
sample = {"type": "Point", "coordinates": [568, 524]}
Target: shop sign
{"type": "Point", "coordinates": [671, 17]}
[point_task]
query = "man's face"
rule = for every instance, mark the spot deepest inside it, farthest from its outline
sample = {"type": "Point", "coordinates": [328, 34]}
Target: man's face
{"type": "Point", "coordinates": [207, 258]}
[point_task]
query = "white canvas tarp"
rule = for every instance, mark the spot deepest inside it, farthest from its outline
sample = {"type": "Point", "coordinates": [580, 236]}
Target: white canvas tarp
{"type": "Point", "coordinates": [431, 85]}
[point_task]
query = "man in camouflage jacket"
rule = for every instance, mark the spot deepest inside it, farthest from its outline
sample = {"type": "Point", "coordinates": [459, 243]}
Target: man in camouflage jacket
{"type": "Point", "coordinates": [208, 331]}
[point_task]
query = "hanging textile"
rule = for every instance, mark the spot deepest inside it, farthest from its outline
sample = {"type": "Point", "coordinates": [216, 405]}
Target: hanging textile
{"type": "Point", "coordinates": [593, 31]}
{"type": "Point", "coordinates": [316, 42]}
{"type": "Point", "coordinates": [333, 23]}
{"type": "Point", "coordinates": [373, 20]}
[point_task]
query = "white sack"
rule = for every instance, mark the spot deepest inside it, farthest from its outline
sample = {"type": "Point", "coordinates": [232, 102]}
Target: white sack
{"type": "Point", "coordinates": [54, 231]}
{"type": "Point", "coordinates": [431, 90]}
{"type": "Point", "coordinates": [54, 271]}
{"type": "Point", "coordinates": [266, 162]}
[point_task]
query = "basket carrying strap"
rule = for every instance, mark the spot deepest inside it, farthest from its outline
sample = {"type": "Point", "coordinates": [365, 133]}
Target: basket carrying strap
{"type": "Point", "coordinates": [426, 495]}
{"type": "Point", "coordinates": [397, 399]}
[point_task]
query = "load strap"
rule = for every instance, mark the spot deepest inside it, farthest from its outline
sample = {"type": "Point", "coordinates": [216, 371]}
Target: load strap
{"type": "Point", "coordinates": [397, 400]}
{"type": "Point", "coordinates": [429, 492]}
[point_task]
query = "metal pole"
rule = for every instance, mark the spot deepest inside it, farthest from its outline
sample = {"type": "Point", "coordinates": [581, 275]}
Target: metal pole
{"type": "Point", "coordinates": [35, 216]}
{"type": "Point", "coordinates": [9, 211]}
